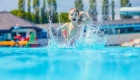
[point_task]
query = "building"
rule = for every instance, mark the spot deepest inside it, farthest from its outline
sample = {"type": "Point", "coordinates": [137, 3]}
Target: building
{"type": "Point", "coordinates": [120, 31]}
{"type": "Point", "coordinates": [11, 25]}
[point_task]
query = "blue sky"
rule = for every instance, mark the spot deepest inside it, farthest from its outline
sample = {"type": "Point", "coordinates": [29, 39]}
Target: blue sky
{"type": "Point", "coordinates": [65, 5]}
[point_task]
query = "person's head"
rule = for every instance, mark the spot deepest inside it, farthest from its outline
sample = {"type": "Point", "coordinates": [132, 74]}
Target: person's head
{"type": "Point", "coordinates": [18, 35]}
{"type": "Point", "coordinates": [73, 15]}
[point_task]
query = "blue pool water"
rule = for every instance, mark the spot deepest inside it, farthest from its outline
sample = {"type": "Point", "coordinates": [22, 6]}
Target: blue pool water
{"type": "Point", "coordinates": [110, 63]}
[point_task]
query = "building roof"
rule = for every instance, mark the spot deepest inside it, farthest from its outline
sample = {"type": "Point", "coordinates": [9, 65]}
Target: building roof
{"type": "Point", "coordinates": [123, 21]}
{"type": "Point", "coordinates": [8, 20]}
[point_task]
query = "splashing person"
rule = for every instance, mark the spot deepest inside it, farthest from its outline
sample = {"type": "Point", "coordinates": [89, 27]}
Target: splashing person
{"type": "Point", "coordinates": [71, 30]}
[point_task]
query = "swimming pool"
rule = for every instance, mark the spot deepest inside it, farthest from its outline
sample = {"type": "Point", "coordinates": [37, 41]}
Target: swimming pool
{"type": "Point", "coordinates": [110, 63]}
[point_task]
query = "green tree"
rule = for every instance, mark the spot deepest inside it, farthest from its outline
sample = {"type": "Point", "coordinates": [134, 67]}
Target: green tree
{"type": "Point", "coordinates": [36, 5]}
{"type": "Point", "coordinates": [44, 18]}
{"type": "Point", "coordinates": [79, 5]}
{"type": "Point", "coordinates": [92, 9]}
{"type": "Point", "coordinates": [55, 18]}
{"type": "Point", "coordinates": [105, 10]}
{"type": "Point", "coordinates": [49, 8]}
{"type": "Point", "coordinates": [14, 12]}
{"type": "Point", "coordinates": [52, 10]}
{"type": "Point", "coordinates": [54, 6]}
{"type": "Point", "coordinates": [21, 5]}
{"type": "Point", "coordinates": [64, 17]}
{"type": "Point", "coordinates": [28, 14]}
{"type": "Point", "coordinates": [21, 11]}
{"type": "Point", "coordinates": [55, 14]}
{"type": "Point", "coordinates": [112, 9]}
{"type": "Point", "coordinates": [17, 13]}
{"type": "Point", "coordinates": [125, 3]}
{"type": "Point", "coordinates": [21, 8]}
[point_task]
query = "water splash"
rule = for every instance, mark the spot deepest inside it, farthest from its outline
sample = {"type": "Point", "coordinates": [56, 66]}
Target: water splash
{"type": "Point", "coordinates": [51, 42]}
{"type": "Point", "coordinates": [93, 37]}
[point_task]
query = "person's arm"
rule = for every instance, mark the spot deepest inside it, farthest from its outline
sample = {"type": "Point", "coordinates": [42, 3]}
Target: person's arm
{"type": "Point", "coordinates": [85, 18]}
{"type": "Point", "coordinates": [64, 27]}
{"type": "Point", "coordinates": [64, 30]}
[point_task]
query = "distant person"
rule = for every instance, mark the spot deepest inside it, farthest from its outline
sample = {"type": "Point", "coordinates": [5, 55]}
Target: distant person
{"type": "Point", "coordinates": [18, 37]}
{"type": "Point", "coordinates": [71, 30]}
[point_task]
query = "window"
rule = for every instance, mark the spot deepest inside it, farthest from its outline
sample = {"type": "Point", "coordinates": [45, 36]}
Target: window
{"type": "Point", "coordinates": [137, 29]}
{"type": "Point", "coordinates": [108, 31]}
{"type": "Point", "coordinates": [124, 30]}
{"type": "Point", "coordinates": [23, 34]}
{"type": "Point", "coordinates": [130, 30]}
{"type": "Point", "coordinates": [44, 34]}
{"type": "Point", "coordinates": [13, 34]}
{"type": "Point", "coordinates": [120, 30]}
{"type": "Point", "coordinates": [1, 36]}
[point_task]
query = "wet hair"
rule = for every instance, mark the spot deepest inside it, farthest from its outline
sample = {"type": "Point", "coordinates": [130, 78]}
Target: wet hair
{"type": "Point", "coordinates": [74, 9]}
